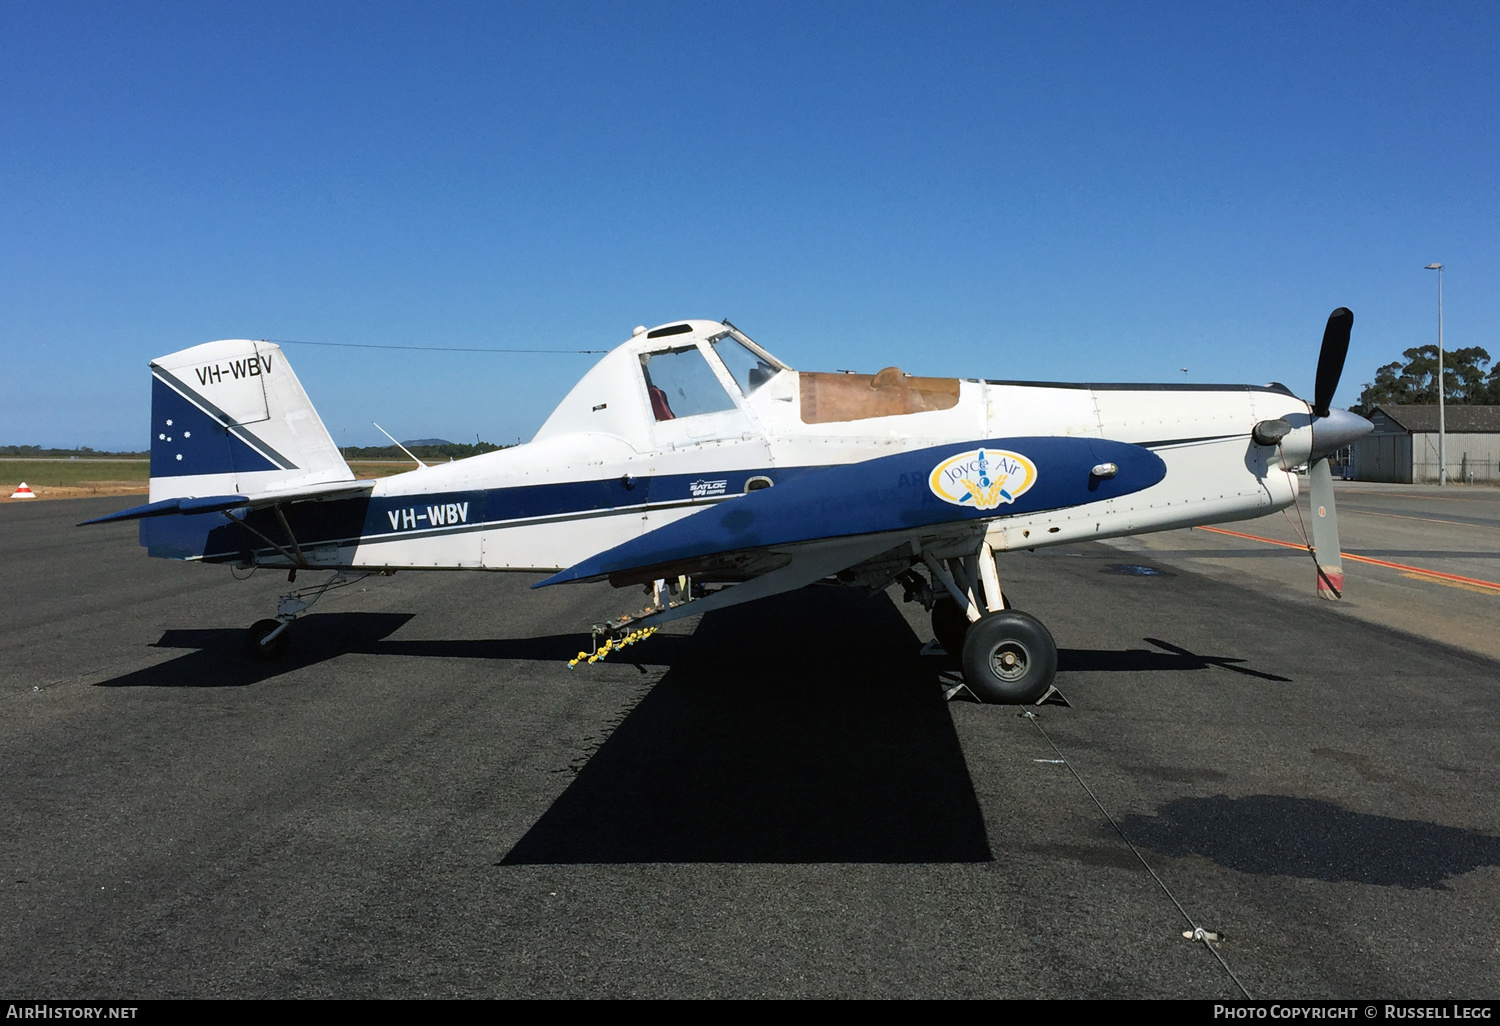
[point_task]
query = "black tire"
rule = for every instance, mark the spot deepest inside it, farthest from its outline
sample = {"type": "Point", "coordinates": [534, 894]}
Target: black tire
{"type": "Point", "coordinates": [258, 648]}
{"type": "Point", "coordinates": [1009, 658]}
{"type": "Point", "coordinates": [949, 625]}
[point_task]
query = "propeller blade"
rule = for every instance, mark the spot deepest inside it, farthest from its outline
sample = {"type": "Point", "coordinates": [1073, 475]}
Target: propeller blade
{"type": "Point", "coordinates": [1331, 358]}
{"type": "Point", "coordinates": [1325, 531]}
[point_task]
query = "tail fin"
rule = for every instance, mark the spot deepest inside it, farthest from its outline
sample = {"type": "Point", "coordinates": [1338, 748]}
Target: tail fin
{"type": "Point", "coordinates": [230, 418]}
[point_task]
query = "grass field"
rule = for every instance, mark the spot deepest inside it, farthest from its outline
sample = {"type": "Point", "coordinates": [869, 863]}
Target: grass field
{"type": "Point", "coordinates": [69, 473]}
{"type": "Point", "coordinates": [365, 471]}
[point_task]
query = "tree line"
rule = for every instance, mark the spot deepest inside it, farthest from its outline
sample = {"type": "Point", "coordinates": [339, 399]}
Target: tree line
{"type": "Point", "coordinates": [83, 452]}
{"type": "Point", "coordinates": [427, 453]}
{"type": "Point", "coordinates": [1415, 382]}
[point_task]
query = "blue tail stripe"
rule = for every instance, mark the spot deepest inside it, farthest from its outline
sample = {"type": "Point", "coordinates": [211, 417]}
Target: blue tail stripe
{"type": "Point", "coordinates": [187, 442]}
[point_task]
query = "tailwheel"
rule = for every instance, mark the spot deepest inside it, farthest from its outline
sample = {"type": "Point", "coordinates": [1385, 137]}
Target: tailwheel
{"type": "Point", "coordinates": [257, 645]}
{"type": "Point", "coordinates": [1009, 658]}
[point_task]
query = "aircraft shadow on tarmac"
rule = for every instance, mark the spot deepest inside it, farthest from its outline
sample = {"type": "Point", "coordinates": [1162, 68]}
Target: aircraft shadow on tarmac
{"type": "Point", "coordinates": [218, 659]}
{"type": "Point", "coordinates": [800, 729]}
{"type": "Point", "coordinates": [1278, 835]}
{"type": "Point", "coordinates": [1139, 660]}
{"type": "Point", "coordinates": [804, 729]}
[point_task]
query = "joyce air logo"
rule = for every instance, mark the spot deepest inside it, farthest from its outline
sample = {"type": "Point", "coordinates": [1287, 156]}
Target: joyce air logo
{"type": "Point", "coordinates": [982, 478]}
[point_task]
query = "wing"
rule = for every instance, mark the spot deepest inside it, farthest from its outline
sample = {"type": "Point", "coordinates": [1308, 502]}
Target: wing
{"type": "Point", "coordinates": [890, 509]}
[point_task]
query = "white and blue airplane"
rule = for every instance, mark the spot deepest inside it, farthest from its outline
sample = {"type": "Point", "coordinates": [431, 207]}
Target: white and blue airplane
{"type": "Point", "coordinates": [693, 464]}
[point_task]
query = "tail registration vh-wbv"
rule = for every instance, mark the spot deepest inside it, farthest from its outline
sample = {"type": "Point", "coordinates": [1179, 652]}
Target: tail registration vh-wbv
{"type": "Point", "coordinates": [692, 464]}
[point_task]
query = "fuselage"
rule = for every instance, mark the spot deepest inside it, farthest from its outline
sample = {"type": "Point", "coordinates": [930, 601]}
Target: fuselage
{"type": "Point", "coordinates": [694, 414]}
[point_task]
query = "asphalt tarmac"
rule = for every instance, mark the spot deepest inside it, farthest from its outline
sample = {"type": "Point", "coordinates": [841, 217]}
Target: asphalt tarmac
{"type": "Point", "coordinates": [423, 800]}
{"type": "Point", "coordinates": [1418, 558]}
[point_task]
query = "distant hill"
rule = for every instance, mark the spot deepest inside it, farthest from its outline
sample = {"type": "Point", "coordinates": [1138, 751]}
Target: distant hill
{"type": "Point", "coordinates": [426, 441]}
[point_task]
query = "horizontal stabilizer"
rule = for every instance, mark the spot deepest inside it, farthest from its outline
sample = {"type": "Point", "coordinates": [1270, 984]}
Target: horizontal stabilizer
{"type": "Point", "coordinates": [218, 503]}
{"type": "Point", "coordinates": [168, 507]}
{"type": "Point", "coordinates": [964, 481]}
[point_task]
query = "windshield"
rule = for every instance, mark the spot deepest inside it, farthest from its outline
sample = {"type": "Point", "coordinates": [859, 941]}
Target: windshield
{"type": "Point", "coordinates": [681, 384]}
{"type": "Point", "coordinates": [748, 368]}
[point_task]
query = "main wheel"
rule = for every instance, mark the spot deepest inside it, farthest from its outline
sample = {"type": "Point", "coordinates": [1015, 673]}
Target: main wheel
{"type": "Point", "coordinates": [949, 625]}
{"type": "Point", "coordinates": [1009, 658]}
{"type": "Point", "coordinates": [259, 648]}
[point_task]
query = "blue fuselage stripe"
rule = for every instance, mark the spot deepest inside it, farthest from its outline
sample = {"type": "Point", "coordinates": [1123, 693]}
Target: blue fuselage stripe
{"type": "Point", "coordinates": [212, 538]}
{"type": "Point", "coordinates": [982, 480]}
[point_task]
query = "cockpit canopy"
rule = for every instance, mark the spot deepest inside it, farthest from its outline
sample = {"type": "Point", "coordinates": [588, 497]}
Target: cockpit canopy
{"type": "Point", "coordinates": [681, 381]}
{"type": "Point", "coordinates": [688, 369]}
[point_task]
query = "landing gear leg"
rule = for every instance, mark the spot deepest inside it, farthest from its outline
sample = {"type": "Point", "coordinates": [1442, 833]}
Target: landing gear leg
{"type": "Point", "coordinates": [1008, 656]}
{"type": "Point", "coordinates": [269, 639]}
{"type": "Point", "coordinates": [970, 588]}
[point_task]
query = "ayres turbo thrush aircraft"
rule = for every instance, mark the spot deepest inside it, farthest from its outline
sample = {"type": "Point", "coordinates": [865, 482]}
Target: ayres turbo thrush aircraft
{"type": "Point", "coordinates": [693, 464]}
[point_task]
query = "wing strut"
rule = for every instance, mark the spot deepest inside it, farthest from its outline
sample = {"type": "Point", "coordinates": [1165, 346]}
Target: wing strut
{"type": "Point", "coordinates": [294, 554]}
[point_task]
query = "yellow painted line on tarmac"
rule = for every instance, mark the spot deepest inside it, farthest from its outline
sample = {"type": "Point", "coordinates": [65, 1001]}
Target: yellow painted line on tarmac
{"type": "Point", "coordinates": [1488, 590]}
{"type": "Point", "coordinates": [1436, 576]}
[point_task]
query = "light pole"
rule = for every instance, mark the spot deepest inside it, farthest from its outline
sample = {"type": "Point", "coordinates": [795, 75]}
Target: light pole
{"type": "Point", "coordinates": [1442, 449]}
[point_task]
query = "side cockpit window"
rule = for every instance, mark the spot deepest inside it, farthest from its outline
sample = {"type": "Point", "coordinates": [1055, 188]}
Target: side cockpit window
{"type": "Point", "coordinates": [681, 384]}
{"type": "Point", "coordinates": [748, 368]}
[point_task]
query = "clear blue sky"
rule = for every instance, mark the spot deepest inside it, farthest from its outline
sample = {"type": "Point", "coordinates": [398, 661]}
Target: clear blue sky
{"type": "Point", "coordinates": [1084, 191]}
